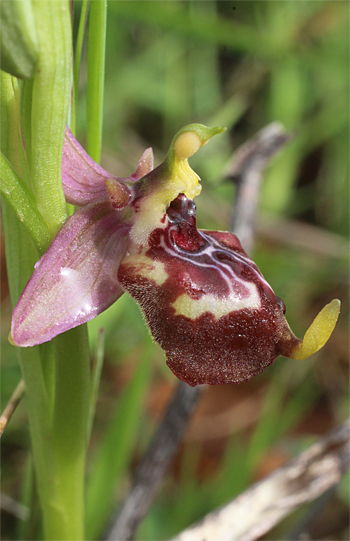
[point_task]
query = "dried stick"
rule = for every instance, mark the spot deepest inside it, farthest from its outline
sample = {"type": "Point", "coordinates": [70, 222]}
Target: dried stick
{"type": "Point", "coordinates": [303, 236]}
{"type": "Point", "coordinates": [247, 168]}
{"type": "Point", "coordinates": [265, 504]}
{"type": "Point", "coordinates": [11, 405]}
{"type": "Point", "coordinates": [154, 465]}
{"type": "Point", "coordinates": [14, 507]}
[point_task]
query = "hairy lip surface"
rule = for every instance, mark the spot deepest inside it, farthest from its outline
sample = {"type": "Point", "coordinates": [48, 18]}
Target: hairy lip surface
{"type": "Point", "coordinates": [213, 312]}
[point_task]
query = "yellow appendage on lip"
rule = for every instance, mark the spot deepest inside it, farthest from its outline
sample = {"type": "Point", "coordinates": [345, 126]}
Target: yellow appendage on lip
{"type": "Point", "coordinates": [319, 331]}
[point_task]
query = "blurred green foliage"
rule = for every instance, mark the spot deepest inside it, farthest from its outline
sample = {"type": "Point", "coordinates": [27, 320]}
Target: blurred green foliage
{"type": "Point", "coordinates": [243, 65]}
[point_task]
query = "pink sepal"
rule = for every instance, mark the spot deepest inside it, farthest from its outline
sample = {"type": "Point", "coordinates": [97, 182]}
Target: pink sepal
{"type": "Point", "coordinates": [75, 279]}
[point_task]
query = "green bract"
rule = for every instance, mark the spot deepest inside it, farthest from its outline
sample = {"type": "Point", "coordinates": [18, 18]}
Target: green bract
{"type": "Point", "coordinates": [18, 41]}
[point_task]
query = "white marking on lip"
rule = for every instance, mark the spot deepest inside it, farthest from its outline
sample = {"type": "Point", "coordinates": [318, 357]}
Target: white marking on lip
{"type": "Point", "coordinates": [147, 267]}
{"type": "Point", "coordinates": [193, 308]}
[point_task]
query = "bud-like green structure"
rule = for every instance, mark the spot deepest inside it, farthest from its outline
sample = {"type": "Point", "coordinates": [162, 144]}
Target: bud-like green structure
{"type": "Point", "coordinates": [18, 42]}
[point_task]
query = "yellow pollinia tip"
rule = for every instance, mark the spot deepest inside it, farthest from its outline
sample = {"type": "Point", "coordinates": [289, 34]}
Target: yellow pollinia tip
{"type": "Point", "coordinates": [186, 143]}
{"type": "Point", "coordinates": [174, 176]}
{"type": "Point", "coordinates": [319, 331]}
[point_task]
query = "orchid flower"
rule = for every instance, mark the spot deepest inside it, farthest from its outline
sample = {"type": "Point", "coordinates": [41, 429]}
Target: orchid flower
{"type": "Point", "coordinates": [205, 301]}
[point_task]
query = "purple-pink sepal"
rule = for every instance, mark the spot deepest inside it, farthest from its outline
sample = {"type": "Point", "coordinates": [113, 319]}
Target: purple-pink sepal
{"type": "Point", "coordinates": [84, 180]}
{"type": "Point", "coordinates": [76, 278]}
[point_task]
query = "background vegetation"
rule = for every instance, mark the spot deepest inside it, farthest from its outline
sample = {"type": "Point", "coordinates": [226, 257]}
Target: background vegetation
{"type": "Point", "coordinates": [242, 65]}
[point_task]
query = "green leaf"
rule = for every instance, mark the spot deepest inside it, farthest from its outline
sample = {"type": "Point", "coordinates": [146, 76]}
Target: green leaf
{"type": "Point", "coordinates": [49, 108]}
{"type": "Point", "coordinates": [23, 203]}
{"type": "Point", "coordinates": [18, 41]}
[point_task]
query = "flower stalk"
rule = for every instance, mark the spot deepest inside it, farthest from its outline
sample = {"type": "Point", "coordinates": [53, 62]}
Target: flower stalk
{"type": "Point", "coordinates": [56, 374]}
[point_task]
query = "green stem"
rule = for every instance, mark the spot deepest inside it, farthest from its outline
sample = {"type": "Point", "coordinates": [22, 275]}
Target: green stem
{"type": "Point", "coordinates": [20, 258]}
{"type": "Point", "coordinates": [70, 428]}
{"type": "Point", "coordinates": [11, 142]}
{"type": "Point", "coordinates": [95, 378]}
{"type": "Point", "coordinates": [95, 84]}
{"type": "Point", "coordinates": [56, 374]}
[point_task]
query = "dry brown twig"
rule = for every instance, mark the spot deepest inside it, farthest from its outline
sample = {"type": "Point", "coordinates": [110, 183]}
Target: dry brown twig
{"type": "Point", "coordinates": [12, 405]}
{"type": "Point", "coordinates": [156, 462]}
{"type": "Point", "coordinates": [257, 510]}
{"type": "Point", "coordinates": [247, 168]}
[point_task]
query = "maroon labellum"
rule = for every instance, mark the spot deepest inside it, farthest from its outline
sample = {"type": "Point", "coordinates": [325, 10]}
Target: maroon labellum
{"type": "Point", "coordinates": [205, 301]}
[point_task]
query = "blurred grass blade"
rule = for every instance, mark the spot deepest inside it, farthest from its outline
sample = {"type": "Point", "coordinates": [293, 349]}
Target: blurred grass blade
{"type": "Point", "coordinates": [114, 454]}
{"type": "Point", "coordinates": [96, 73]}
{"type": "Point", "coordinates": [278, 415]}
{"type": "Point", "coordinates": [95, 378]}
{"type": "Point", "coordinates": [174, 16]}
{"type": "Point", "coordinates": [24, 527]}
{"type": "Point", "coordinates": [287, 104]}
{"type": "Point", "coordinates": [77, 61]}
{"type": "Point", "coordinates": [80, 39]}
{"type": "Point", "coordinates": [18, 41]}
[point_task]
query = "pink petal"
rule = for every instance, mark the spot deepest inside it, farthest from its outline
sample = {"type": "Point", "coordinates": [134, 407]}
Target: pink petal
{"type": "Point", "coordinates": [84, 180]}
{"type": "Point", "coordinates": [75, 279]}
{"type": "Point", "coordinates": [146, 164]}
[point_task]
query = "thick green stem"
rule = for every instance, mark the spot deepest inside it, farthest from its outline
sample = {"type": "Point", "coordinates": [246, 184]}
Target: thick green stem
{"type": "Point", "coordinates": [70, 427]}
{"type": "Point", "coordinates": [56, 374]}
{"type": "Point", "coordinates": [96, 70]}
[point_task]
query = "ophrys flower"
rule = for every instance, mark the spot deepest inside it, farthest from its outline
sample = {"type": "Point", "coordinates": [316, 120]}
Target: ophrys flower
{"type": "Point", "coordinates": [205, 301]}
